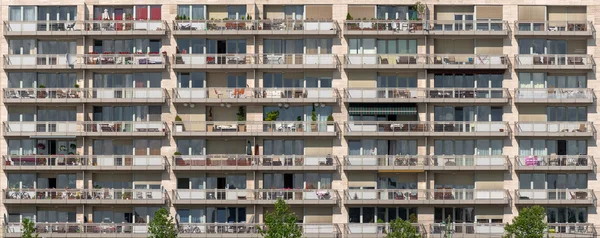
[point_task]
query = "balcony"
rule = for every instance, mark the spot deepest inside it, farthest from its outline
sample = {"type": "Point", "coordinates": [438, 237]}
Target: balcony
{"type": "Point", "coordinates": [555, 95]}
{"type": "Point", "coordinates": [555, 163]}
{"type": "Point", "coordinates": [44, 28]}
{"type": "Point", "coordinates": [431, 61]}
{"type": "Point", "coordinates": [554, 28]}
{"type": "Point", "coordinates": [467, 61]}
{"type": "Point", "coordinates": [385, 61]}
{"type": "Point", "coordinates": [125, 27]}
{"type": "Point", "coordinates": [254, 196]}
{"type": "Point", "coordinates": [251, 61]}
{"type": "Point", "coordinates": [469, 229]}
{"type": "Point", "coordinates": [555, 128]}
{"type": "Point", "coordinates": [45, 229]}
{"type": "Point", "coordinates": [84, 128]}
{"type": "Point", "coordinates": [470, 28]}
{"type": "Point", "coordinates": [84, 162]}
{"type": "Point", "coordinates": [571, 230]}
{"type": "Point", "coordinates": [255, 162]}
{"type": "Point", "coordinates": [554, 196]}
{"type": "Point", "coordinates": [87, 61]}
{"type": "Point", "coordinates": [426, 128]}
{"type": "Point", "coordinates": [400, 27]}
{"type": "Point", "coordinates": [556, 61]}
{"type": "Point", "coordinates": [429, 196]}
{"type": "Point", "coordinates": [426, 162]}
{"type": "Point", "coordinates": [422, 95]}
{"type": "Point", "coordinates": [77, 95]}
{"type": "Point", "coordinates": [255, 95]}
{"type": "Point", "coordinates": [255, 128]}
{"type": "Point", "coordinates": [250, 230]}
{"type": "Point", "coordinates": [255, 27]}
{"type": "Point", "coordinates": [84, 196]}
{"type": "Point", "coordinates": [376, 230]}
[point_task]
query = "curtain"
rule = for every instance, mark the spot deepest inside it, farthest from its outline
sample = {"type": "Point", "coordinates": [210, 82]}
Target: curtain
{"type": "Point", "coordinates": [29, 13]}
{"type": "Point", "coordinates": [483, 147]}
{"type": "Point", "coordinates": [141, 12]}
{"type": "Point", "coordinates": [14, 13]}
{"type": "Point", "coordinates": [539, 147]}
{"type": "Point", "coordinates": [183, 10]}
{"type": "Point", "coordinates": [525, 147]}
{"type": "Point", "coordinates": [155, 13]}
{"type": "Point", "coordinates": [198, 12]}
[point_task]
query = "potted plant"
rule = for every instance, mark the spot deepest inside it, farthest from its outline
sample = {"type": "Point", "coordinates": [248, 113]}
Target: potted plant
{"type": "Point", "coordinates": [419, 7]}
{"type": "Point", "coordinates": [241, 117]}
{"type": "Point", "coordinates": [412, 218]}
{"type": "Point", "coordinates": [178, 124]}
{"type": "Point", "coordinates": [380, 226]}
{"type": "Point", "coordinates": [313, 125]}
{"type": "Point", "coordinates": [41, 92]}
{"type": "Point", "coordinates": [330, 125]}
{"type": "Point", "coordinates": [271, 116]}
{"type": "Point", "coordinates": [300, 127]}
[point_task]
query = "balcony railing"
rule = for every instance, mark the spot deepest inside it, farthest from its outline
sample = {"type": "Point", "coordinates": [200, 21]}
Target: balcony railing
{"type": "Point", "coordinates": [142, 27]}
{"type": "Point", "coordinates": [470, 27]}
{"type": "Point", "coordinates": [472, 229]}
{"type": "Point", "coordinates": [386, 194]}
{"type": "Point", "coordinates": [52, 27]}
{"type": "Point", "coordinates": [421, 162]}
{"type": "Point", "coordinates": [17, 128]}
{"type": "Point", "coordinates": [119, 127]}
{"type": "Point", "coordinates": [553, 27]}
{"type": "Point", "coordinates": [551, 128]}
{"type": "Point", "coordinates": [484, 195]}
{"type": "Point", "coordinates": [391, 127]}
{"type": "Point", "coordinates": [419, 94]}
{"type": "Point", "coordinates": [416, 161]}
{"type": "Point", "coordinates": [430, 195]}
{"type": "Point", "coordinates": [486, 162]}
{"type": "Point", "coordinates": [81, 94]}
{"type": "Point", "coordinates": [90, 195]}
{"type": "Point", "coordinates": [270, 127]}
{"type": "Point", "coordinates": [359, 229]}
{"type": "Point", "coordinates": [251, 229]}
{"type": "Point", "coordinates": [233, 161]}
{"type": "Point", "coordinates": [76, 162]}
{"type": "Point", "coordinates": [386, 60]}
{"type": "Point", "coordinates": [41, 127]}
{"type": "Point", "coordinates": [74, 61]}
{"type": "Point", "coordinates": [425, 61]}
{"type": "Point", "coordinates": [547, 196]}
{"type": "Point", "coordinates": [253, 61]}
{"type": "Point", "coordinates": [255, 94]}
{"type": "Point", "coordinates": [567, 61]}
{"type": "Point", "coordinates": [555, 95]}
{"type": "Point", "coordinates": [319, 195]}
{"type": "Point", "coordinates": [555, 162]}
{"type": "Point", "coordinates": [576, 229]}
{"type": "Point", "coordinates": [255, 26]}
{"type": "Point", "coordinates": [467, 61]}
{"type": "Point", "coordinates": [214, 60]}
{"type": "Point", "coordinates": [383, 26]}
{"type": "Point", "coordinates": [78, 228]}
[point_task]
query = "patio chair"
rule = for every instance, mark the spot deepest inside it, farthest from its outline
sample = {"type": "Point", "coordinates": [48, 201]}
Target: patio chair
{"type": "Point", "coordinates": [139, 195]}
{"type": "Point", "coordinates": [149, 195]}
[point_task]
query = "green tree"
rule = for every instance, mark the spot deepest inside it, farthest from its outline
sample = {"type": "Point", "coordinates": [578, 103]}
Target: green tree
{"type": "Point", "coordinates": [528, 224]}
{"type": "Point", "coordinates": [28, 229]}
{"type": "Point", "coordinates": [162, 225]}
{"type": "Point", "coordinates": [280, 223]}
{"type": "Point", "coordinates": [402, 229]}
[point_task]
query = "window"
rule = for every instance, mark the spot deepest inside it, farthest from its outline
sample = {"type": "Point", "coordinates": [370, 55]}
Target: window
{"type": "Point", "coordinates": [283, 147]}
{"type": "Point", "coordinates": [553, 181]}
{"type": "Point", "coordinates": [549, 147]}
{"type": "Point", "coordinates": [21, 13]}
{"type": "Point", "coordinates": [21, 147]}
{"type": "Point", "coordinates": [474, 113]}
{"type": "Point", "coordinates": [565, 215]}
{"type": "Point", "coordinates": [193, 12]}
{"type": "Point", "coordinates": [396, 46]}
{"type": "Point", "coordinates": [21, 47]}
{"type": "Point", "coordinates": [547, 80]}
{"type": "Point", "coordinates": [191, 215]}
{"type": "Point", "coordinates": [395, 81]}
{"type": "Point", "coordinates": [54, 216]}
{"type": "Point", "coordinates": [318, 46]}
{"type": "Point", "coordinates": [294, 12]}
{"type": "Point", "coordinates": [361, 46]}
{"type": "Point", "coordinates": [136, 80]}
{"type": "Point", "coordinates": [385, 12]}
{"type": "Point", "coordinates": [127, 113]}
{"type": "Point", "coordinates": [382, 147]}
{"type": "Point", "coordinates": [23, 181]}
{"type": "Point", "coordinates": [468, 81]}
{"type": "Point", "coordinates": [236, 12]}
{"type": "Point", "coordinates": [191, 147]}
{"type": "Point", "coordinates": [456, 214]}
{"type": "Point", "coordinates": [191, 80]}
{"type": "Point", "coordinates": [571, 114]}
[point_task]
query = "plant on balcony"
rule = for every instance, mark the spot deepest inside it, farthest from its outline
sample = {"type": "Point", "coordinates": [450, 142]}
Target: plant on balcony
{"type": "Point", "coordinates": [41, 86]}
{"type": "Point", "coordinates": [402, 229]}
{"type": "Point", "coordinates": [178, 124]}
{"type": "Point", "coordinates": [313, 117]}
{"type": "Point", "coordinates": [381, 226]}
{"type": "Point", "coordinates": [280, 223]}
{"type": "Point", "coordinates": [419, 7]}
{"type": "Point", "coordinates": [28, 229]}
{"type": "Point", "coordinates": [41, 146]}
{"type": "Point", "coordinates": [412, 218]}
{"type": "Point", "coordinates": [349, 17]}
{"type": "Point", "coordinates": [529, 223]}
{"type": "Point", "coordinates": [241, 117]}
{"type": "Point", "coordinates": [177, 153]}
{"type": "Point", "coordinates": [248, 17]}
{"type": "Point", "coordinates": [178, 118]}
{"type": "Point", "coordinates": [272, 116]}
{"type": "Point", "coordinates": [162, 225]}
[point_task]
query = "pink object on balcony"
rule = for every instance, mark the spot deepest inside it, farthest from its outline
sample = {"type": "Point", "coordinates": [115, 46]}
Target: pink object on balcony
{"type": "Point", "coordinates": [531, 161]}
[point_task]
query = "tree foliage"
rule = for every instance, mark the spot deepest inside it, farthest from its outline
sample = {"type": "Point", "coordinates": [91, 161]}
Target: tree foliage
{"type": "Point", "coordinates": [402, 229]}
{"type": "Point", "coordinates": [162, 225]}
{"type": "Point", "coordinates": [280, 223]}
{"type": "Point", "coordinates": [528, 224]}
{"type": "Point", "coordinates": [28, 229]}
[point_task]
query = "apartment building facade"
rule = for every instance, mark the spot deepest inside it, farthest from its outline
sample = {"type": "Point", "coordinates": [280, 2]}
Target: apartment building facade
{"type": "Point", "coordinates": [354, 113]}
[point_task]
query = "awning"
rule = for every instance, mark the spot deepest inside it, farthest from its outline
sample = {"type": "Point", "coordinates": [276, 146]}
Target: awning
{"type": "Point", "coordinates": [381, 109]}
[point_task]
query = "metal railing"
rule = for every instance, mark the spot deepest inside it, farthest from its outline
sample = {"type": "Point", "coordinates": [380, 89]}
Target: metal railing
{"type": "Point", "coordinates": [468, 194]}
{"type": "Point", "coordinates": [66, 127]}
{"type": "Point", "coordinates": [248, 228]}
{"type": "Point", "coordinates": [125, 25]}
{"type": "Point", "coordinates": [429, 26]}
{"type": "Point", "coordinates": [426, 160]}
{"type": "Point", "coordinates": [393, 93]}
{"type": "Point", "coordinates": [255, 126]}
{"type": "Point", "coordinates": [273, 26]}
{"type": "Point", "coordinates": [215, 59]}
{"type": "Point", "coordinates": [468, 59]}
{"type": "Point", "coordinates": [468, 228]}
{"type": "Point", "coordinates": [555, 194]}
{"type": "Point", "coordinates": [266, 93]}
{"type": "Point", "coordinates": [247, 161]}
{"type": "Point", "coordinates": [468, 160]}
{"type": "Point", "coordinates": [555, 126]}
{"type": "Point", "coordinates": [386, 194]}
{"type": "Point", "coordinates": [385, 25]}
{"type": "Point", "coordinates": [385, 59]}
{"type": "Point", "coordinates": [543, 94]}
{"type": "Point", "coordinates": [124, 126]}
{"type": "Point", "coordinates": [553, 26]}
{"type": "Point", "coordinates": [478, 26]}
{"type": "Point", "coordinates": [297, 59]}
{"type": "Point", "coordinates": [72, 60]}
{"type": "Point", "coordinates": [255, 194]}
{"type": "Point", "coordinates": [426, 126]}
{"type": "Point", "coordinates": [571, 228]}
{"type": "Point", "coordinates": [554, 60]}
{"type": "Point", "coordinates": [23, 27]}
{"type": "Point", "coordinates": [83, 194]}
{"type": "Point", "coordinates": [86, 228]}
{"type": "Point", "coordinates": [555, 161]}
{"type": "Point", "coordinates": [378, 228]}
{"type": "Point", "coordinates": [58, 127]}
